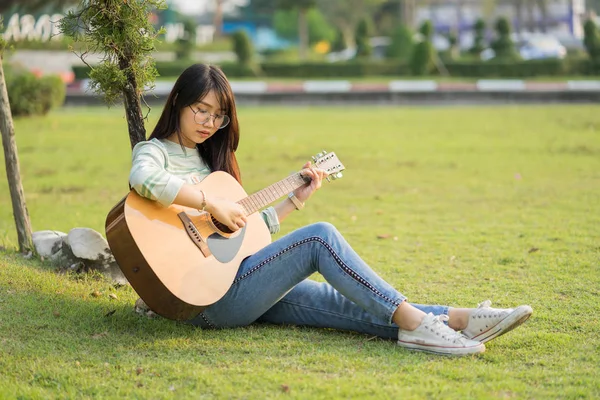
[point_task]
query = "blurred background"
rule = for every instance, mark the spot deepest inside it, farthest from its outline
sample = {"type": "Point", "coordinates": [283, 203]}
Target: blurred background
{"type": "Point", "coordinates": [364, 41]}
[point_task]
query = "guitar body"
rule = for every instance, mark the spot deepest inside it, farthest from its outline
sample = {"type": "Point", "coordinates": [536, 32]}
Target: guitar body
{"type": "Point", "coordinates": [177, 259]}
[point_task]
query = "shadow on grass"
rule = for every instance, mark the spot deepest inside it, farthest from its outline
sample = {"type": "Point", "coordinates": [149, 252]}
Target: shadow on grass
{"type": "Point", "coordinates": [72, 316]}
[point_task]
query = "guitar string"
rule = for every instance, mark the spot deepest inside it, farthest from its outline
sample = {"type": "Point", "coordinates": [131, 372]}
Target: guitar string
{"type": "Point", "coordinates": [266, 196]}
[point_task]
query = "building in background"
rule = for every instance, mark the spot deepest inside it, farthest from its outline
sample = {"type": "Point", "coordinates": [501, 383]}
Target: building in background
{"type": "Point", "coordinates": [560, 18]}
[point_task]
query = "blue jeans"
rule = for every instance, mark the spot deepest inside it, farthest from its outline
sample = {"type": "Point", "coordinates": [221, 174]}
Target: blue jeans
{"type": "Point", "coordinates": [272, 286]}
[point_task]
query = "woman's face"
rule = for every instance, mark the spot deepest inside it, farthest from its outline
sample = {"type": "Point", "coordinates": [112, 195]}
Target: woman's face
{"type": "Point", "coordinates": [199, 121]}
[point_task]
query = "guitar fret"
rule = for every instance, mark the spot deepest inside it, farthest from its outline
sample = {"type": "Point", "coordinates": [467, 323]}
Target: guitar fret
{"type": "Point", "coordinates": [276, 190]}
{"type": "Point", "coordinates": [266, 196]}
{"type": "Point", "coordinates": [290, 184]}
{"type": "Point", "coordinates": [251, 206]}
{"type": "Point", "coordinates": [255, 201]}
{"type": "Point", "coordinates": [281, 188]}
{"type": "Point", "coordinates": [269, 196]}
{"type": "Point", "coordinates": [263, 198]}
{"type": "Point", "coordinates": [248, 209]}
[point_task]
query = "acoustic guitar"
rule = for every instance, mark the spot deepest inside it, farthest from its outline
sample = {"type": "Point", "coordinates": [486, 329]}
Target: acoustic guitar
{"type": "Point", "coordinates": [180, 260]}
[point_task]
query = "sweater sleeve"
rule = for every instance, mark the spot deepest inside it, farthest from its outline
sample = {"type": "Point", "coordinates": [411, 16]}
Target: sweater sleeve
{"type": "Point", "coordinates": [271, 219]}
{"type": "Point", "coordinates": [148, 175]}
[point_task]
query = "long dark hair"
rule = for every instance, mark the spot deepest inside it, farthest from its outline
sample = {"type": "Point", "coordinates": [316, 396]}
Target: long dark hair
{"type": "Point", "coordinates": [218, 153]}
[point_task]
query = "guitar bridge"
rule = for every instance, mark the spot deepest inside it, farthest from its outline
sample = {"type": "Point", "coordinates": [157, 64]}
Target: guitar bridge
{"type": "Point", "coordinates": [194, 235]}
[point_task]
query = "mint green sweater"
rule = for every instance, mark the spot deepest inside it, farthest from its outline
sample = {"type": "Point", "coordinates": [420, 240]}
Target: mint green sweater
{"type": "Point", "coordinates": [161, 167]}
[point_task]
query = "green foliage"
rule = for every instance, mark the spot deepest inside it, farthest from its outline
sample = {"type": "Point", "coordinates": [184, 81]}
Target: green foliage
{"type": "Point", "coordinates": [3, 43]}
{"type": "Point", "coordinates": [285, 22]}
{"type": "Point", "coordinates": [186, 45]}
{"type": "Point", "coordinates": [365, 68]}
{"type": "Point", "coordinates": [453, 51]}
{"type": "Point", "coordinates": [30, 95]}
{"type": "Point", "coordinates": [339, 43]}
{"type": "Point", "coordinates": [362, 36]}
{"type": "Point", "coordinates": [402, 44]}
{"type": "Point", "coordinates": [509, 69]}
{"type": "Point", "coordinates": [591, 39]}
{"type": "Point", "coordinates": [242, 46]}
{"type": "Point", "coordinates": [503, 46]}
{"type": "Point", "coordinates": [479, 40]}
{"type": "Point", "coordinates": [113, 28]}
{"type": "Point", "coordinates": [240, 70]}
{"type": "Point", "coordinates": [356, 68]}
{"type": "Point", "coordinates": [364, 28]}
{"type": "Point", "coordinates": [53, 92]}
{"type": "Point", "coordinates": [34, 5]}
{"type": "Point", "coordinates": [426, 30]}
{"type": "Point", "coordinates": [422, 61]}
{"type": "Point", "coordinates": [291, 4]}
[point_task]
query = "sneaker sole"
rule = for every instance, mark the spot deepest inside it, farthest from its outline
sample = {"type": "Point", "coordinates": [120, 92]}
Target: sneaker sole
{"type": "Point", "coordinates": [446, 351]}
{"type": "Point", "coordinates": [512, 320]}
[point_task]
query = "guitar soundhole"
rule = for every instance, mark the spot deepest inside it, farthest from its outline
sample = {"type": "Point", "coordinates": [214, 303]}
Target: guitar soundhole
{"type": "Point", "coordinates": [220, 226]}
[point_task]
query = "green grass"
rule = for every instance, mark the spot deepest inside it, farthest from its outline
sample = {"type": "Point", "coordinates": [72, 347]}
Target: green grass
{"type": "Point", "coordinates": [478, 202]}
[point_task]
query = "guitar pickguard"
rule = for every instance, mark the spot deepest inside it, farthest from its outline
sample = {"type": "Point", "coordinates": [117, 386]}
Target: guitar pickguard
{"type": "Point", "coordinates": [224, 249]}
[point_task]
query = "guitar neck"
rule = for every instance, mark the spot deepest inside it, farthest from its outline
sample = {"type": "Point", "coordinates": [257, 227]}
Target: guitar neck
{"type": "Point", "coordinates": [268, 195]}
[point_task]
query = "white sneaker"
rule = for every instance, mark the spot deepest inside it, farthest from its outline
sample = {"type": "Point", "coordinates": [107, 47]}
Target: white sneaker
{"type": "Point", "coordinates": [435, 337]}
{"type": "Point", "coordinates": [486, 323]}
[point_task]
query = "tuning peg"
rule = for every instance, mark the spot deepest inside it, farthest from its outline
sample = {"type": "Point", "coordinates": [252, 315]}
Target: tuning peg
{"type": "Point", "coordinates": [338, 175]}
{"type": "Point", "coordinates": [314, 158]}
{"type": "Point", "coordinates": [324, 152]}
{"type": "Point", "coordinates": [328, 178]}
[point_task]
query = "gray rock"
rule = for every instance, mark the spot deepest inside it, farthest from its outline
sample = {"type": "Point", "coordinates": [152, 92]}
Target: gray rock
{"type": "Point", "coordinates": [49, 244]}
{"type": "Point", "coordinates": [81, 250]}
{"type": "Point", "coordinates": [90, 247]}
{"type": "Point", "coordinates": [88, 244]}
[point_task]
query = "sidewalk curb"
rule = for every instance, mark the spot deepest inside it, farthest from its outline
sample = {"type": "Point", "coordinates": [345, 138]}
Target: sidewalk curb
{"type": "Point", "coordinates": [81, 88]}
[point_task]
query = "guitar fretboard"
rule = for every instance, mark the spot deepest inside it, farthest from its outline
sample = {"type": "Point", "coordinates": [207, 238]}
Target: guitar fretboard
{"type": "Point", "coordinates": [268, 195]}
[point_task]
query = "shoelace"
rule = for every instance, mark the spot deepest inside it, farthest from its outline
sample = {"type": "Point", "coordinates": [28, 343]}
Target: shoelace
{"type": "Point", "coordinates": [492, 313]}
{"type": "Point", "coordinates": [447, 332]}
{"type": "Point", "coordinates": [487, 303]}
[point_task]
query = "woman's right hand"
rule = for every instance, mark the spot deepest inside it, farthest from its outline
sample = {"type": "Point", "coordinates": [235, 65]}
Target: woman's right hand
{"type": "Point", "coordinates": [227, 212]}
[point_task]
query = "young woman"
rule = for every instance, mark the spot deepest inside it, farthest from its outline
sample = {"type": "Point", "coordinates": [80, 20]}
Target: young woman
{"type": "Point", "coordinates": [198, 133]}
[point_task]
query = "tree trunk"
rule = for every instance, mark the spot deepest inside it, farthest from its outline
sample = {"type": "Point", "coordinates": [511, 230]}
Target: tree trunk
{"type": "Point", "coordinates": [530, 16]}
{"type": "Point", "coordinates": [218, 18]}
{"type": "Point", "coordinates": [459, 7]}
{"type": "Point", "coordinates": [519, 16]}
{"type": "Point", "coordinates": [13, 173]}
{"type": "Point", "coordinates": [133, 107]}
{"type": "Point", "coordinates": [407, 13]}
{"type": "Point", "coordinates": [543, 16]}
{"type": "Point", "coordinates": [303, 33]}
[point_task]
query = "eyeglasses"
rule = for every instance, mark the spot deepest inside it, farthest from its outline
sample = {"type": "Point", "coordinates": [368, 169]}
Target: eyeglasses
{"type": "Point", "coordinates": [201, 117]}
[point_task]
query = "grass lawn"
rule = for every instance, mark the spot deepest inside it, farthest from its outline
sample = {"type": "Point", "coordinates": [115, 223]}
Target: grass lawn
{"type": "Point", "coordinates": [472, 203]}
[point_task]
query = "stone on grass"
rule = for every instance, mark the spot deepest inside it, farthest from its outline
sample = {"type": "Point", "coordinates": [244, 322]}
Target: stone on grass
{"type": "Point", "coordinates": [49, 244]}
{"type": "Point", "coordinates": [92, 248]}
{"type": "Point", "coordinates": [88, 244]}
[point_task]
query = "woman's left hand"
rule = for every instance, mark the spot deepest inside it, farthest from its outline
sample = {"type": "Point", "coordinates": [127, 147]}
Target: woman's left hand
{"type": "Point", "coordinates": [316, 175]}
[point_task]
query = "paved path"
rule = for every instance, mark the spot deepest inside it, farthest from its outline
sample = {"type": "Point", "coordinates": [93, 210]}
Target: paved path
{"type": "Point", "coordinates": [396, 92]}
{"type": "Point", "coordinates": [60, 62]}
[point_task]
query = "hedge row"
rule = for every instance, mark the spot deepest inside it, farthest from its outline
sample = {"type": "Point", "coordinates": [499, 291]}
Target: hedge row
{"type": "Point", "coordinates": [32, 95]}
{"type": "Point", "coordinates": [474, 69]}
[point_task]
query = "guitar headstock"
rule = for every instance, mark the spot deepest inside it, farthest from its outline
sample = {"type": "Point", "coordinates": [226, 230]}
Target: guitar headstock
{"type": "Point", "coordinates": [330, 163]}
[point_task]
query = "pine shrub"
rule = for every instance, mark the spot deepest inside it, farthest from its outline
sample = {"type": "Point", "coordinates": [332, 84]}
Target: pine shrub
{"type": "Point", "coordinates": [402, 44]}
{"type": "Point", "coordinates": [242, 47]}
{"type": "Point", "coordinates": [503, 46]}
{"type": "Point", "coordinates": [422, 61]}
